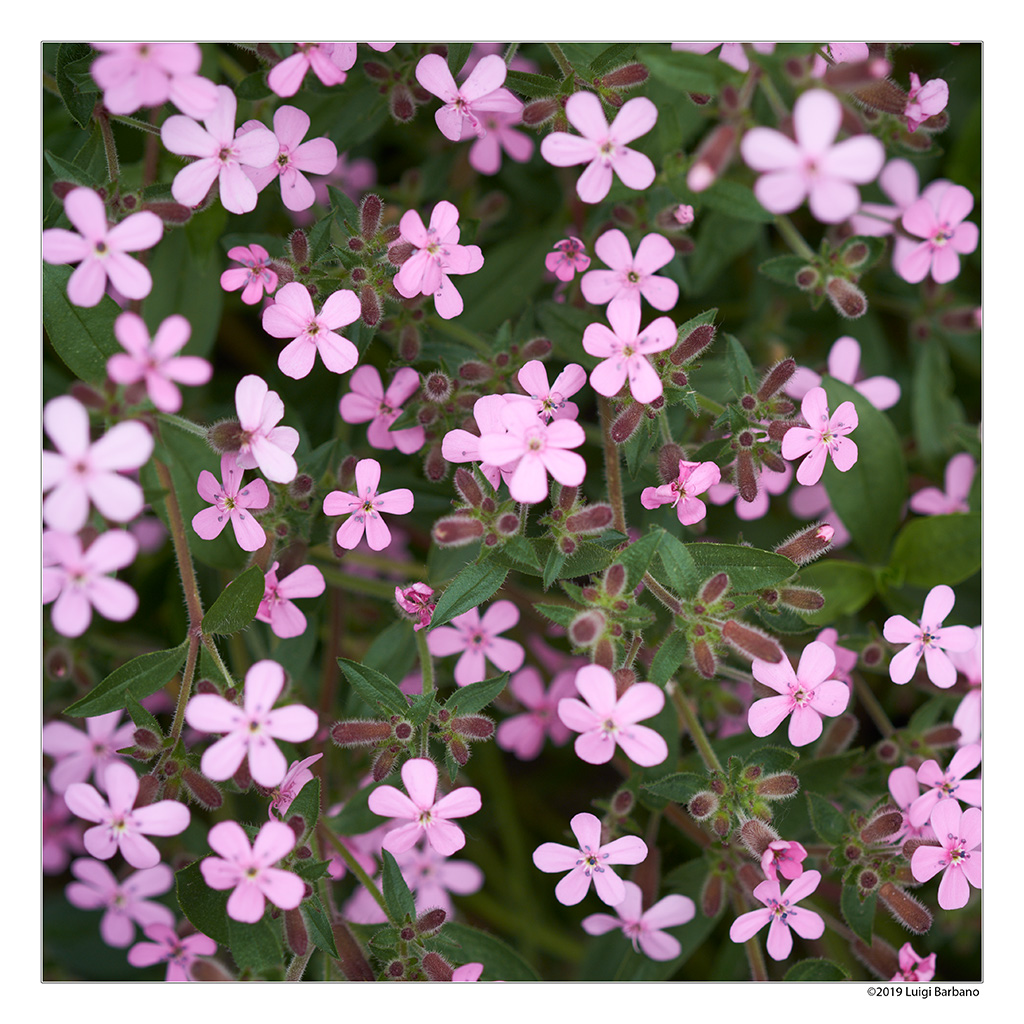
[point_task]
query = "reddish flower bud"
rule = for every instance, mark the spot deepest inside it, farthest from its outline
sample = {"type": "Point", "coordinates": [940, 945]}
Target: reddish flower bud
{"type": "Point", "coordinates": [540, 111]}
{"type": "Point", "coordinates": [772, 460]}
{"type": "Point", "coordinates": [802, 599]}
{"type": "Point", "coordinates": [623, 802]}
{"type": "Point", "coordinates": [360, 732]}
{"type": "Point", "coordinates": [468, 488]}
{"type": "Point", "coordinates": [168, 212]}
{"type": "Point", "coordinates": [585, 629]}
{"type": "Point", "coordinates": [703, 805]}
{"type": "Point", "coordinates": [751, 642]}
{"type": "Point", "coordinates": [704, 659]}
{"type": "Point", "coordinates": [910, 912]}
{"type": "Point", "coordinates": [846, 298]}
{"type": "Point", "coordinates": [711, 895]}
{"type": "Point", "coordinates": [401, 103]}
{"type": "Point", "coordinates": [882, 95]}
{"type": "Point", "coordinates": [756, 835]}
{"type": "Point", "coordinates": [436, 968]}
{"type": "Point", "coordinates": [437, 387]}
{"type": "Point", "coordinates": [459, 751]}
{"type": "Point", "coordinates": [149, 787]}
{"type": "Point", "coordinates": [625, 77]}
{"type": "Point", "coordinates": [604, 653]}
{"type": "Point", "coordinates": [807, 278]}
{"type": "Point", "coordinates": [508, 524]}
{"type": "Point", "coordinates": [567, 545]}
{"type": "Point", "coordinates": [714, 588]}
{"type": "Point", "coordinates": [298, 246]}
{"type": "Point", "coordinates": [879, 958]}
{"type": "Point", "coordinates": [454, 531]}
{"type": "Point", "coordinates": [747, 477]}
{"type": "Point", "coordinates": [713, 156]}
{"type": "Point", "coordinates": [885, 823]}
{"type": "Point", "coordinates": [430, 922]}
{"type": "Point", "coordinates": [776, 379]}
{"type": "Point", "coordinates": [399, 253]}
{"type": "Point", "coordinates": [589, 520]}
{"type": "Point", "coordinates": [614, 579]}
{"type": "Point", "coordinates": [475, 371]}
{"type": "Point", "coordinates": [295, 932]}
{"type": "Point", "coordinates": [855, 254]}
{"type": "Point", "coordinates": [369, 306]}
{"type": "Point", "coordinates": [435, 467]}
{"type": "Point", "coordinates": [351, 958]}
{"type": "Point", "coordinates": [537, 348]}
{"type": "Point", "coordinates": [479, 727]}
{"type": "Point", "coordinates": [369, 215]}
{"type": "Point", "coordinates": [807, 544]}
{"type": "Point", "coordinates": [384, 762]}
{"type": "Point", "coordinates": [693, 344]}
{"type": "Point", "coordinates": [669, 458]}
{"type": "Point", "coordinates": [201, 789]}
{"type": "Point", "coordinates": [838, 735]}
{"type": "Point", "coordinates": [778, 786]}
{"type": "Point", "coordinates": [225, 436]}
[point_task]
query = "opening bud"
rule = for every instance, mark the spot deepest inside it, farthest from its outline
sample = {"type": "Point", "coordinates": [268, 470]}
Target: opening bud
{"type": "Point", "coordinates": [846, 298]}
{"type": "Point", "coordinates": [454, 531]}
{"type": "Point", "coordinates": [807, 544]}
{"type": "Point", "coordinates": [751, 642]}
{"type": "Point", "coordinates": [910, 912]}
{"type": "Point", "coordinates": [756, 836]}
{"type": "Point", "coordinates": [712, 158]}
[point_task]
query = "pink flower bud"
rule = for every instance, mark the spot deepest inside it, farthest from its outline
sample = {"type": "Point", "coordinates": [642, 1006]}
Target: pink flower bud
{"type": "Point", "coordinates": [807, 544]}
{"type": "Point", "coordinates": [454, 531]}
{"type": "Point", "coordinates": [751, 642]}
{"type": "Point", "coordinates": [369, 215]}
{"type": "Point", "coordinates": [693, 344]}
{"type": "Point", "coordinates": [846, 298]}
{"type": "Point", "coordinates": [911, 913]}
{"type": "Point", "coordinates": [590, 520]}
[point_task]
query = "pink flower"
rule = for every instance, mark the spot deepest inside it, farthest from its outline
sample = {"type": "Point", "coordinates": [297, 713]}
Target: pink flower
{"type": "Point", "coordinates": [156, 361]}
{"type": "Point", "coordinates": [368, 401]}
{"type": "Point", "coordinates": [499, 134]}
{"type": "Point", "coordinates": [899, 181]}
{"type": "Point", "coordinates": [134, 75]}
{"type": "Point", "coordinates": [366, 506]}
{"type": "Point", "coordinates": [930, 501]}
{"type": "Point", "coordinates": [295, 778]}
{"type": "Point", "coordinates": [624, 349]}
{"type": "Point", "coordinates": [945, 234]}
{"type": "Point", "coordinates": [694, 478]}
{"type": "Point", "coordinates": [121, 825]}
{"type": "Point", "coordinates": [569, 255]}
{"type": "Point", "coordinates": [844, 365]}
{"type": "Point", "coordinates": [418, 601]}
{"type": "Point", "coordinates": [468, 972]}
{"type": "Point", "coordinates": [822, 437]}
{"type": "Point", "coordinates": [432, 876]}
{"type": "Point", "coordinates": [683, 214]}
{"type": "Point", "coordinates": [928, 638]}
{"type": "Point", "coordinates": [465, 105]}
{"type": "Point", "coordinates": [606, 721]}
{"type": "Point", "coordinates": [78, 580]}
{"type": "Point", "coordinates": [602, 147]}
{"type": "Point", "coordinates": [813, 503]}
{"type": "Point", "coordinates": [247, 869]}
{"type": "Point", "coordinates": [589, 861]}
{"type": "Point", "coordinates": [165, 947]}
{"type": "Point", "coordinates": [769, 482]}
{"type": "Point", "coordinates": [436, 254]}
{"type": "Point", "coordinates": [840, 53]}
{"type": "Point", "coordinates": [905, 789]}
{"type": "Point", "coordinates": [292, 316]}
{"type": "Point", "coordinates": [230, 502]}
{"type": "Point", "coordinates": [462, 446]}
{"type": "Point", "coordinates": [967, 717]}
{"type": "Point", "coordinates": [221, 155]}
{"type": "Point", "coordinates": [783, 914]}
{"type": "Point", "coordinates": [62, 834]}
{"type": "Point", "coordinates": [524, 734]}
{"type": "Point", "coordinates": [479, 641]}
{"type": "Point", "coordinates": [255, 276]}
{"type": "Point", "coordinates": [645, 928]}
{"type": "Point", "coordinates": [732, 54]}
{"type": "Point", "coordinates": [812, 166]}
{"type": "Point", "coordinates": [846, 660]}
{"type": "Point", "coordinates": [100, 250]}
{"type": "Point", "coordinates": [318, 156]}
{"type": "Point", "coordinates": [81, 754]}
{"type": "Point", "coordinates": [124, 902]}
{"type": "Point", "coordinates": [277, 608]}
{"type": "Point", "coordinates": [808, 693]}
{"type": "Point", "coordinates": [251, 729]}
{"type": "Point", "coordinates": [924, 101]}
{"type": "Point", "coordinates": [263, 443]}
{"type": "Point", "coordinates": [957, 856]}
{"type": "Point", "coordinates": [783, 858]}
{"type": "Point", "coordinates": [329, 61]}
{"type": "Point", "coordinates": [550, 402]}
{"type": "Point", "coordinates": [914, 967]}
{"type": "Point", "coordinates": [629, 277]}
{"type": "Point", "coordinates": [427, 816]}
{"type": "Point", "coordinates": [947, 785]}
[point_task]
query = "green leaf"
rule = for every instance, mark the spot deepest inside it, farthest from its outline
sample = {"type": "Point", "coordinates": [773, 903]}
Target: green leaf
{"type": "Point", "coordinates": [563, 614]}
{"type": "Point", "coordinates": [307, 804]}
{"type": "Point", "coordinates": [374, 687]}
{"type": "Point", "coordinates": [458, 54]}
{"type": "Point", "coordinates": [67, 171]}
{"type": "Point", "coordinates": [141, 717]}
{"type": "Point", "coordinates": [846, 587]}
{"type": "Point", "coordinates": [393, 651]}
{"type": "Point", "coordinates": [236, 607]}
{"type": "Point", "coordinates": [934, 410]}
{"type": "Point", "coordinates": [501, 962]}
{"type": "Point", "coordinates": [82, 337]}
{"type": "Point", "coordinates": [938, 549]}
{"type": "Point", "coordinates": [783, 268]}
{"type": "Point", "coordinates": [773, 759]}
{"type": "Point", "coordinates": [253, 87]}
{"type": "Point", "coordinates": [637, 557]}
{"type": "Point", "coordinates": [817, 969]}
{"type": "Point", "coordinates": [254, 946]}
{"type": "Point", "coordinates": [310, 870]}
{"type": "Point", "coordinates": [680, 787]}
{"type": "Point", "coordinates": [671, 654]}
{"type": "Point", "coordinates": [681, 71]}
{"type": "Point", "coordinates": [71, 58]}
{"type": "Point", "coordinates": [467, 700]}
{"type": "Point", "coordinates": [397, 896]}
{"type": "Point", "coordinates": [681, 575]}
{"type": "Point", "coordinates": [474, 585]}
{"type": "Point", "coordinates": [141, 677]}
{"type": "Point", "coordinates": [739, 368]}
{"type": "Point", "coordinates": [520, 551]}
{"type": "Point", "coordinates": [531, 85]}
{"type": "Point", "coordinates": [319, 925]}
{"type": "Point", "coordinates": [346, 213]}
{"type": "Point", "coordinates": [639, 446]}
{"type": "Point", "coordinates": [826, 820]}
{"type": "Point", "coordinates": [858, 914]}
{"type": "Point", "coordinates": [206, 908]}
{"type": "Point", "coordinates": [749, 569]}
{"type": "Point", "coordinates": [616, 55]}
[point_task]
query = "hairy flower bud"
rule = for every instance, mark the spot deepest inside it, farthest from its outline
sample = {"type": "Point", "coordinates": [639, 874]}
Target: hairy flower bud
{"type": "Point", "coordinates": [436, 968]}
{"type": "Point", "coordinates": [401, 103]}
{"type": "Point", "coordinates": [693, 344]}
{"type": "Point", "coordinates": [838, 734]}
{"type": "Point", "coordinates": [807, 278]}
{"type": "Point", "coordinates": [776, 379]}
{"type": "Point", "coordinates": [537, 348]}
{"type": "Point", "coordinates": [592, 519]}
{"type": "Point", "coordinates": [468, 488]}
{"type": "Point", "coordinates": [669, 458]}
{"type": "Point", "coordinates": [614, 579]}
{"type": "Point", "coordinates": [429, 923]}
{"type": "Point", "coordinates": [369, 215]}
{"type": "Point", "coordinates": [747, 477]}
{"type": "Point", "coordinates": [586, 628]}
{"type": "Point", "coordinates": [169, 212]}
{"type": "Point", "coordinates": [540, 111]}
{"type": "Point", "coordinates": [225, 436]}
{"type": "Point", "coordinates": [910, 912]}
{"type": "Point", "coordinates": [623, 802]}
{"type": "Point", "coordinates": [780, 786]}
{"type": "Point", "coordinates": [711, 895]}
{"type": "Point", "coordinates": [751, 642]}
{"type": "Point", "coordinates": [704, 659]}
{"type": "Point", "coordinates": [369, 306]}
{"type": "Point", "coordinates": [626, 422]}
{"type": "Point", "coordinates": [807, 544]}
{"type": "Point", "coordinates": [295, 932]}
{"type": "Point", "coordinates": [475, 371]}
{"type": "Point", "coordinates": [478, 727]}
{"type": "Point", "coordinates": [846, 298]}
{"type": "Point", "coordinates": [351, 958]}
{"type": "Point", "coordinates": [604, 653]}
{"type": "Point", "coordinates": [702, 805]}
{"type": "Point", "coordinates": [714, 588]}
{"type": "Point", "coordinates": [802, 599]}
{"type": "Point", "coordinates": [756, 836]}
{"type": "Point", "coordinates": [201, 789]}
{"type": "Point", "coordinates": [435, 467]}
{"type": "Point", "coordinates": [298, 246]}
{"type": "Point", "coordinates": [883, 94]}
{"type": "Point", "coordinates": [879, 958]}
{"type": "Point", "coordinates": [454, 531]}
{"type": "Point", "coordinates": [626, 77]}
{"type": "Point", "coordinates": [360, 732]}
{"type": "Point", "coordinates": [941, 736]}
{"type": "Point", "coordinates": [855, 253]}
{"type": "Point", "coordinates": [712, 158]}
{"type": "Point", "coordinates": [883, 824]}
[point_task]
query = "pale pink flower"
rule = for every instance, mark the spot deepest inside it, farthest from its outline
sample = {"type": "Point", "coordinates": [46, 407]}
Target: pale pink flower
{"type": "Point", "coordinates": [524, 734]}
{"type": "Point", "coordinates": [812, 166]}
{"type": "Point", "coordinates": [783, 858]}
{"type": "Point", "coordinates": [914, 967]}
{"type": "Point", "coordinates": [624, 349]}
{"type": "Point", "coordinates": [645, 928]}
{"type": "Point", "coordinates": [263, 443]}
{"type": "Point", "coordinates": [905, 789]}
{"type": "Point", "coordinates": [551, 401]}
{"type": "Point", "coordinates": [840, 53]}
{"type": "Point", "coordinates": [683, 214]}
{"type": "Point", "coordinates": [769, 482]}
{"type": "Point", "coordinates": [134, 75]}
{"type": "Point", "coordinates": [602, 147]}
{"type": "Point", "coordinates": [253, 276]}
{"type": "Point", "coordinates": [783, 914]}
{"type": "Point", "coordinates": [823, 436]}
{"type": "Point", "coordinates": [631, 277]}
{"type": "Point", "coordinates": [81, 754]}
{"type": "Point", "coordinates": [250, 730]}
{"type": "Point", "coordinates": [156, 361]}
{"type": "Point", "coordinates": [277, 608]}
{"type": "Point", "coordinates": [78, 581]}
{"type": "Point", "coordinates": [292, 316]}
{"type": "Point", "coordinates": [295, 778]}
{"type": "Point", "coordinates": [100, 250]}
{"type": "Point", "coordinates": [694, 478]}
{"type": "Point", "coordinates": [924, 101]}
{"type": "Point", "coordinates": [221, 155]}
{"type": "Point", "coordinates": [478, 640]}
{"type": "Point", "coordinates": [947, 785]}
{"type": "Point", "coordinates": [928, 638]}
{"type": "Point", "coordinates": [945, 232]}
{"type": "Point", "coordinates": [605, 721]}
{"type": "Point", "coordinates": [462, 446]}
{"type": "Point", "coordinates": [417, 600]}
{"type": "Point", "coordinates": [844, 365]}
{"type": "Point", "coordinates": [808, 693]}
{"type": "Point", "coordinates": [569, 255]}
{"type": "Point", "coordinates": [428, 817]}
{"type": "Point", "coordinates": [899, 181]}
{"type": "Point", "coordinates": [958, 855]}
{"type": "Point", "coordinates": [468, 972]}
{"type": "Point", "coordinates": [733, 54]}
{"type": "Point", "coordinates": [125, 903]}
{"type": "Point", "coordinates": [959, 476]}
{"type": "Point", "coordinates": [431, 877]}
{"type": "Point", "coordinates": [62, 834]}
{"type": "Point", "coordinates": [846, 660]}
{"type": "Point", "coordinates": [366, 506]}
{"type": "Point", "coordinates": [330, 63]}
{"type": "Point", "coordinates": [121, 825]}
{"type": "Point", "coordinates": [466, 105]}
{"type": "Point", "coordinates": [248, 869]}
{"type": "Point", "coordinates": [367, 401]}
{"type": "Point", "coordinates": [317, 156]}
{"type": "Point", "coordinates": [165, 947]}
{"type": "Point", "coordinates": [589, 861]}
{"type": "Point", "coordinates": [967, 717]}
{"type": "Point", "coordinates": [499, 134]}
{"type": "Point", "coordinates": [231, 502]}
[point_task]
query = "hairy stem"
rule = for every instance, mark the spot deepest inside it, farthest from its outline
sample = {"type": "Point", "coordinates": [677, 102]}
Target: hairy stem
{"type": "Point", "coordinates": [356, 868]}
{"type": "Point", "coordinates": [793, 238]}
{"type": "Point", "coordinates": [693, 727]}
{"type": "Point", "coordinates": [560, 58]}
{"type": "Point", "coordinates": [612, 468]}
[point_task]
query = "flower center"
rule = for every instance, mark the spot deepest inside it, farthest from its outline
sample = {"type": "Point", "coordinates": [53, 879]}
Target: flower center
{"type": "Point", "coordinates": [591, 861]}
{"type": "Point", "coordinates": [802, 696]}
{"type": "Point", "coordinates": [632, 277]}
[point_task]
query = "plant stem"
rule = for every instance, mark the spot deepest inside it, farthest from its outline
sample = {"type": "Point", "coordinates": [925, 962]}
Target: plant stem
{"type": "Point", "coordinates": [560, 58]}
{"type": "Point", "coordinates": [356, 869]}
{"type": "Point", "coordinates": [872, 706]}
{"type": "Point", "coordinates": [793, 238]}
{"type": "Point", "coordinates": [633, 648]}
{"type": "Point", "coordinates": [181, 550]}
{"type": "Point", "coordinates": [612, 468]}
{"type": "Point", "coordinates": [182, 424]}
{"type": "Point", "coordinates": [670, 602]}
{"type": "Point", "coordinates": [109, 146]}
{"type": "Point", "coordinates": [693, 726]}
{"type": "Point", "coordinates": [427, 671]}
{"type": "Point", "coordinates": [510, 53]}
{"type": "Point", "coordinates": [297, 967]}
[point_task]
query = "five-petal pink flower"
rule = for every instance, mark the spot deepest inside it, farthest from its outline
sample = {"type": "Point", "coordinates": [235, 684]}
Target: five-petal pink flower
{"type": "Point", "coordinates": [277, 607]}
{"type": "Point", "coordinates": [783, 858]}
{"type": "Point", "coordinates": [253, 276]}
{"type": "Point", "coordinates": [366, 506]}
{"type": "Point", "coordinates": [645, 928]}
{"type": "Point", "coordinates": [781, 911]}
{"type": "Point", "coordinates": [924, 101]}
{"type": "Point", "coordinates": [292, 316]}
{"type": "Point", "coordinates": [551, 401]}
{"type": "Point", "coordinates": [570, 255]}
{"type": "Point", "coordinates": [499, 134]}
{"type": "Point", "coordinates": [823, 436]}
{"type": "Point", "coordinates": [947, 785]}
{"type": "Point", "coordinates": [165, 946]}
{"type": "Point", "coordinates": [524, 734]}
{"type": "Point", "coordinates": [81, 754]}
{"type": "Point", "coordinates": [367, 401]}
{"type": "Point", "coordinates": [914, 967]}
{"type": "Point", "coordinates": [694, 478]}
{"type": "Point", "coordinates": [958, 855]}
{"type": "Point", "coordinates": [466, 105]}
{"type": "Point", "coordinates": [330, 63]}
{"type": "Point", "coordinates": [938, 219]}
{"type": "Point", "coordinates": [631, 277]}
{"type": "Point", "coordinates": [263, 444]}
{"type": "Point", "coordinates": [231, 502]}
{"type": "Point", "coordinates": [844, 365]}
{"type": "Point", "coordinates": [959, 476]}
{"type": "Point", "coordinates": [478, 641]}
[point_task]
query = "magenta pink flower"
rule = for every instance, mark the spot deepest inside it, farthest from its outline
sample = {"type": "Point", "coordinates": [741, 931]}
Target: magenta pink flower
{"type": "Point", "coordinates": [589, 861]}
{"type": "Point", "coordinates": [101, 251]}
{"type": "Point", "coordinates": [769, 482]}
{"type": "Point", "coordinates": [231, 502]}
{"type": "Point", "coordinates": [602, 147]}
{"type": "Point", "coordinates": [844, 365]}
{"type": "Point", "coordinates": [499, 134]}
{"type": "Point", "coordinates": [733, 54]}
{"type": "Point", "coordinates": [683, 214]}
{"type": "Point", "coordinates": [78, 581]}
{"type": "Point", "coordinates": [840, 53]}
{"type": "Point", "coordinates": [329, 62]}
{"type": "Point", "coordinates": [318, 156]}
{"type": "Point", "coordinates": [125, 903]}
{"type": "Point", "coordinates": [427, 816]}
{"type": "Point", "coordinates": [929, 638]}
{"type": "Point", "coordinates": [899, 181]}
{"type": "Point", "coordinates": [783, 914]}
{"type": "Point", "coordinates": [624, 349]}
{"type": "Point", "coordinates": [462, 446]}
{"type": "Point", "coordinates": [812, 166]}
{"type": "Point", "coordinates": [221, 155]}
{"type": "Point", "coordinates": [630, 278]}
{"type": "Point", "coordinates": [121, 825]}
{"type": "Point", "coordinates": [277, 608]}
{"type": "Point", "coordinates": [368, 401]}
{"type": "Point", "coordinates": [479, 641]}
{"type": "Point", "coordinates": [81, 754]}
{"type": "Point", "coordinates": [366, 506]}
{"type": "Point", "coordinates": [134, 75]}
{"type": "Point", "coordinates": [295, 778]}
{"type": "Point", "coordinates": [550, 402]}
{"type": "Point", "coordinates": [62, 834]}
{"type": "Point", "coordinates": [432, 876]}
{"type": "Point", "coordinates": [823, 436]}
{"type": "Point", "coordinates": [958, 855]}
{"type": "Point", "coordinates": [694, 478]}
{"type": "Point", "coordinates": [846, 659]}
{"type": "Point", "coordinates": [914, 967]}
{"type": "Point", "coordinates": [264, 444]}
{"type": "Point", "coordinates": [924, 101]}
{"type": "Point", "coordinates": [247, 869]}
{"type": "Point", "coordinates": [930, 501]}
{"type": "Point", "coordinates": [569, 255]}
{"type": "Point", "coordinates": [250, 730]}
{"type": "Point", "coordinates": [524, 734]}
{"type": "Point", "coordinates": [253, 276]}
{"type": "Point", "coordinates": [967, 717]}
{"type": "Point", "coordinates": [292, 316]}
{"type": "Point", "coordinates": [466, 105]}
{"type": "Point", "coordinates": [165, 947]}
{"type": "Point", "coordinates": [939, 220]}
{"type": "Point", "coordinates": [418, 601]}
{"type": "Point", "coordinates": [783, 858]}
{"type": "Point", "coordinates": [645, 928]}
{"type": "Point", "coordinates": [905, 789]}
{"type": "Point", "coordinates": [947, 785]}
{"type": "Point", "coordinates": [808, 693]}
{"type": "Point", "coordinates": [605, 721]}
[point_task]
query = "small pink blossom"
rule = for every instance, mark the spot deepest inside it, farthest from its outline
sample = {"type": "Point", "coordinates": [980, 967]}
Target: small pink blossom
{"type": "Point", "coordinates": [247, 869]}
{"type": "Point", "coordinates": [930, 501]}
{"type": "Point", "coordinates": [263, 444]}
{"type": "Point", "coordinates": [432, 876]}
{"type": "Point", "coordinates": [499, 134]}
{"type": "Point", "coordinates": [694, 478]}
{"type": "Point", "coordinates": [839, 53]}
{"type": "Point", "coordinates": [427, 815]}
{"type": "Point", "coordinates": [781, 911]}
{"type": "Point", "coordinates": [947, 785]}
{"type": "Point", "coordinates": [250, 730]}
{"type": "Point", "coordinates": [478, 640]}
{"type": "Point", "coordinates": [967, 717]}
{"type": "Point", "coordinates": [330, 63]}
{"type": "Point", "coordinates": [783, 858]}
{"type": "Point", "coordinates": [462, 446]}
{"type": "Point", "coordinates": [367, 401]}
{"type": "Point", "coordinates": [550, 402]}
{"type": "Point", "coordinates": [524, 734]}
{"type": "Point", "coordinates": [277, 606]}
{"type": "Point", "coordinates": [569, 256]}
{"type": "Point", "coordinates": [253, 276]}
{"type": "Point", "coordinates": [417, 600]}
{"type": "Point", "coordinates": [905, 789]}
{"type": "Point", "coordinates": [164, 946]}
{"type": "Point", "coordinates": [62, 834]}
{"type": "Point", "coordinates": [631, 277]}
{"type": "Point", "coordinates": [295, 778]}
{"type": "Point", "coordinates": [913, 966]}
{"type": "Point", "coordinates": [466, 105]}
{"type": "Point", "coordinates": [292, 316]}
{"type": "Point", "coordinates": [101, 251]}
{"type": "Point", "coordinates": [769, 482]}
{"type": "Point", "coordinates": [958, 855]}
{"type": "Point", "coordinates": [366, 506]}
{"type": "Point", "coordinates": [823, 436]}
{"type": "Point", "coordinates": [733, 54]}
{"type": "Point", "coordinates": [846, 660]}
{"type": "Point", "coordinates": [844, 365]}
{"type": "Point", "coordinates": [468, 972]}
{"type": "Point", "coordinates": [928, 638]}
{"type": "Point", "coordinates": [924, 101]}
{"type": "Point", "coordinates": [231, 502]}
{"type": "Point", "coordinates": [589, 862]}
{"type": "Point", "coordinates": [945, 232]}
{"type": "Point", "coordinates": [134, 75]}
{"type": "Point", "coordinates": [645, 928]}
{"type": "Point", "coordinates": [683, 214]}
{"type": "Point", "coordinates": [81, 754]}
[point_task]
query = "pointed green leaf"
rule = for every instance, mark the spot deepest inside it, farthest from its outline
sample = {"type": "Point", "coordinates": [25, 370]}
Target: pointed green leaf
{"type": "Point", "coordinates": [827, 821]}
{"type": "Point", "coordinates": [141, 677]}
{"type": "Point", "coordinates": [679, 787]}
{"type": "Point", "coordinates": [254, 946]}
{"type": "Point", "coordinates": [82, 337]}
{"type": "Point", "coordinates": [501, 962]}
{"type": "Point", "coordinates": [671, 654]}
{"type": "Point", "coordinates": [374, 687]}
{"type": "Point", "coordinates": [458, 54]}
{"type": "Point", "coordinates": [467, 700]}
{"type": "Point", "coordinates": [237, 605]}
{"type": "Point", "coordinates": [681, 575]}
{"type": "Point", "coordinates": [938, 549]}
{"type": "Point", "coordinates": [473, 586]}
{"type": "Point", "coordinates": [846, 587]}
{"type": "Point", "coordinates": [73, 58]}
{"type": "Point", "coordinates": [206, 908]}
{"type": "Point", "coordinates": [749, 569]}
{"type": "Point", "coordinates": [319, 925]}
{"type": "Point", "coordinates": [817, 969]}
{"type": "Point", "coordinates": [859, 914]}
{"type": "Point", "coordinates": [397, 896]}
{"type": "Point", "coordinates": [637, 557]}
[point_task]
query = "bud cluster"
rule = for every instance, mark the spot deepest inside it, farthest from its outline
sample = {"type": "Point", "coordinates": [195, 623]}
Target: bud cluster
{"type": "Point", "coordinates": [740, 797]}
